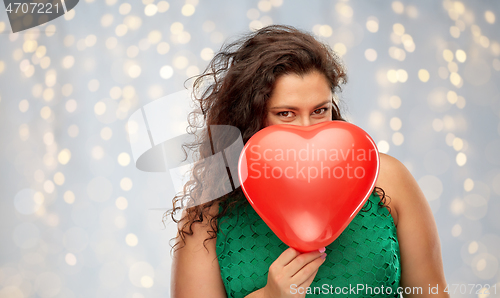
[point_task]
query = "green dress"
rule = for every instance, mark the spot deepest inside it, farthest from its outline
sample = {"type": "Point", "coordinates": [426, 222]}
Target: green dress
{"type": "Point", "coordinates": [364, 261]}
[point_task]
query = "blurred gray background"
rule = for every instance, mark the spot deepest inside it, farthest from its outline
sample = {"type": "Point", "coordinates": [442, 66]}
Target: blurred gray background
{"type": "Point", "coordinates": [78, 219]}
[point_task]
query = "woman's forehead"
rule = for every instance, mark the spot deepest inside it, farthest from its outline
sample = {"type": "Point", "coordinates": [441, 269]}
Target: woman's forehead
{"type": "Point", "coordinates": [292, 89]}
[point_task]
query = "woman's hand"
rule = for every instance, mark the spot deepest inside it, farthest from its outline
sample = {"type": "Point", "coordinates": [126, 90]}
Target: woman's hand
{"type": "Point", "coordinates": [292, 270]}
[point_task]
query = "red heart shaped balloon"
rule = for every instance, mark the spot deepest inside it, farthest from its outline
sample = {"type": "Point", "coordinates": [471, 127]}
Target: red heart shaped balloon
{"type": "Point", "coordinates": [308, 182]}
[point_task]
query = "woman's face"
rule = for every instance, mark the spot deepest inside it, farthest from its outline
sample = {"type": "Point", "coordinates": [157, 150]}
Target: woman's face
{"type": "Point", "coordinates": [299, 100]}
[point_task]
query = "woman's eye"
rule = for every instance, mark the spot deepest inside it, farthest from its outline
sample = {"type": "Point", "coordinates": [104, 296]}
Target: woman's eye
{"type": "Point", "coordinates": [285, 114]}
{"type": "Point", "coordinates": [321, 111]}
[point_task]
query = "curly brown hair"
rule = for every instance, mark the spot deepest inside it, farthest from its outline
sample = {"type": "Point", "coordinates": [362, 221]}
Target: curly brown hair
{"type": "Point", "coordinates": [234, 90]}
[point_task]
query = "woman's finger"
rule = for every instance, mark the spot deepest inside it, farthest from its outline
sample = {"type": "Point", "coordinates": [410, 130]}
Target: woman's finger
{"type": "Point", "coordinates": [307, 271]}
{"type": "Point", "coordinates": [300, 262]}
{"type": "Point", "coordinates": [285, 258]}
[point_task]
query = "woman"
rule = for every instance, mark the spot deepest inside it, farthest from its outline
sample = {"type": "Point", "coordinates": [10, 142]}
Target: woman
{"type": "Point", "coordinates": [281, 75]}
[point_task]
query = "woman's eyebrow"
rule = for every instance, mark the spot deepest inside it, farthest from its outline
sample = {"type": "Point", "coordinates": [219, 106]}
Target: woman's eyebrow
{"type": "Point", "coordinates": [295, 108]}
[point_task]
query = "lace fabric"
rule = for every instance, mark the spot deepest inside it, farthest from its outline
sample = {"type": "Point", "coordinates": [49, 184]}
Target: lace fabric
{"type": "Point", "coordinates": [365, 257]}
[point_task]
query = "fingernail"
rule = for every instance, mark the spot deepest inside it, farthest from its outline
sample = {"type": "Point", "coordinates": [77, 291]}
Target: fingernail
{"type": "Point", "coordinates": [323, 256]}
{"type": "Point", "coordinates": [322, 250]}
